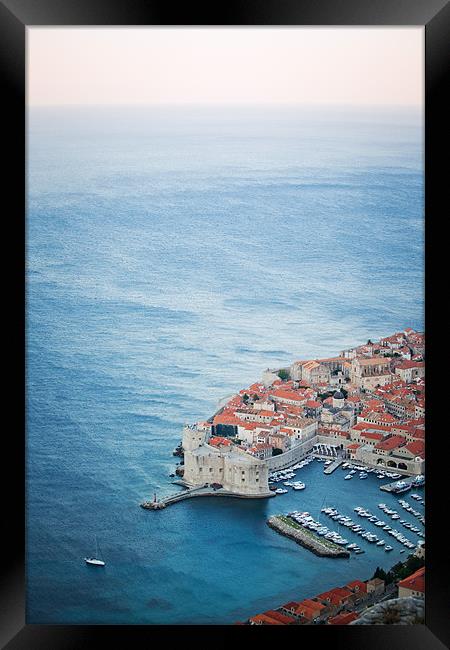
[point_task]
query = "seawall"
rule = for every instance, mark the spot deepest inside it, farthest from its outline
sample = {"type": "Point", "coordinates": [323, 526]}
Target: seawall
{"type": "Point", "coordinates": [307, 539]}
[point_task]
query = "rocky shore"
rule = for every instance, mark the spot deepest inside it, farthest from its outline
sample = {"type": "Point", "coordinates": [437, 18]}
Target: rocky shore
{"type": "Point", "coordinates": [397, 611]}
{"type": "Point", "coordinates": [306, 538]}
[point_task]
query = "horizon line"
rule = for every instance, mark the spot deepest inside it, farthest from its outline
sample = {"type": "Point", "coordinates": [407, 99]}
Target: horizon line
{"type": "Point", "coordinates": [231, 103]}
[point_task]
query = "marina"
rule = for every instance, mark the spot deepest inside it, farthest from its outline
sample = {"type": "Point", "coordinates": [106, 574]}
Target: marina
{"type": "Point", "coordinates": [301, 530]}
{"type": "Point", "coordinates": [366, 535]}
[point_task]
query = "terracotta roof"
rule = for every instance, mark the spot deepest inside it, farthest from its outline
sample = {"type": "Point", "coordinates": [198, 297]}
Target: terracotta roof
{"type": "Point", "coordinates": [357, 585]}
{"type": "Point", "coordinates": [218, 440]}
{"type": "Point", "coordinates": [278, 616]}
{"type": "Point", "coordinates": [226, 418]}
{"type": "Point", "coordinates": [313, 604]}
{"type": "Point", "coordinates": [371, 426]}
{"type": "Point", "coordinates": [265, 620]}
{"type": "Point", "coordinates": [335, 595]}
{"type": "Point", "coordinates": [417, 447]}
{"type": "Point", "coordinates": [390, 443]}
{"type": "Point", "coordinates": [343, 619]}
{"type": "Point", "coordinates": [287, 394]}
{"type": "Point", "coordinates": [378, 417]}
{"type": "Point", "coordinates": [415, 582]}
{"type": "Point", "coordinates": [405, 365]}
{"type": "Point", "coordinates": [372, 435]}
{"type": "Point", "coordinates": [291, 605]}
{"type": "Point", "coordinates": [373, 361]}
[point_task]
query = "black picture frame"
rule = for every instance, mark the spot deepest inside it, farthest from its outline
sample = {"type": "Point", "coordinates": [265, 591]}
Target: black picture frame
{"type": "Point", "coordinates": [15, 16]}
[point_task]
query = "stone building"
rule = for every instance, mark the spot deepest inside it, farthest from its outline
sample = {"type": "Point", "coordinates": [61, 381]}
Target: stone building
{"type": "Point", "coordinates": [370, 373]}
{"type": "Point", "coordinates": [375, 586]}
{"type": "Point", "coordinates": [413, 585]}
{"type": "Point", "coordinates": [235, 470]}
{"type": "Point", "coordinates": [408, 371]}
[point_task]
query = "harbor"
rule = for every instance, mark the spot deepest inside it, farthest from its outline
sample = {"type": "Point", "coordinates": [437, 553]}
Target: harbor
{"type": "Point", "coordinates": [366, 535]}
{"type": "Point", "coordinates": [322, 481]}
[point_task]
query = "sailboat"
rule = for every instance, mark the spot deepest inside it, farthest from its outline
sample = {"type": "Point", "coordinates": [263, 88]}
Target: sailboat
{"type": "Point", "coordinates": [94, 560]}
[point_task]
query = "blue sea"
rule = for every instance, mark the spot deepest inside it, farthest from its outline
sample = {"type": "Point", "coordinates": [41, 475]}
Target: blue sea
{"type": "Point", "coordinates": [173, 254]}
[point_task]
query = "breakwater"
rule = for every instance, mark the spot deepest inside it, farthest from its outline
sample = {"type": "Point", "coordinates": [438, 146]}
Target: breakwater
{"type": "Point", "coordinates": [306, 538]}
{"type": "Point", "coordinates": [202, 491]}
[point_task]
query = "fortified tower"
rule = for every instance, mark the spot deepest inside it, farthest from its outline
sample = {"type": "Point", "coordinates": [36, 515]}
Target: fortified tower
{"type": "Point", "coordinates": [193, 437]}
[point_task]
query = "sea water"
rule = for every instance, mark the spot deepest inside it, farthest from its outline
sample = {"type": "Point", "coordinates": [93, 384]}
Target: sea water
{"type": "Point", "coordinates": [173, 254]}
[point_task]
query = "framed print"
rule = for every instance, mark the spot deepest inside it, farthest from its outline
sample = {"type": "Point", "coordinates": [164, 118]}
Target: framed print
{"type": "Point", "coordinates": [222, 239]}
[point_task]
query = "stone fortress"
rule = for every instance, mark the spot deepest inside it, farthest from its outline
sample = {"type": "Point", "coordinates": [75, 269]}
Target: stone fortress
{"type": "Point", "coordinates": [235, 470]}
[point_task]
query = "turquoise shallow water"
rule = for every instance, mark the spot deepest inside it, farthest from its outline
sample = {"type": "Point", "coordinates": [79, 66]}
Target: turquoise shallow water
{"type": "Point", "coordinates": [172, 255]}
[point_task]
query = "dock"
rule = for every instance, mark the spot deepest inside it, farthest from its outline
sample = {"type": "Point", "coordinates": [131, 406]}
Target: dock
{"type": "Point", "coordinates": [201, 491]}
{"type": "Point", "coordinates": [388, 487]}
{"type": "Point", "coordinates": [330, 469]}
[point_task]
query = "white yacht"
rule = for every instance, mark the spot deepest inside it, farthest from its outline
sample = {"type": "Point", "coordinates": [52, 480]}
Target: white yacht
{"type": "Point", "coordinates": [95, 561]}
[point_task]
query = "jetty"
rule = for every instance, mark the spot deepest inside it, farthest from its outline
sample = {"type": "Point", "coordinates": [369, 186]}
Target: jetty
{"type": "Point", "coordinates": [201, 491]}
{"type": "Point", "coordinates": [306, 538]}
{"type": "Point", "coordinates": [389, 486]}
{"type": "Point", "coordinates": [330, 469]}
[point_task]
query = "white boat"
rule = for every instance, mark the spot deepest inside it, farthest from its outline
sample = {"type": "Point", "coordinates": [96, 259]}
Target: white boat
{"type": "Point", "coordinates": [346, 478]}
{"type": "Point", "coordinates": [388, 548]}
{"type": "Point", "coordinates": [95, 561]}
{"type": "Point", "coordinates": [299, 486]}
{"type": "Point", "coordinates": [280, 491]}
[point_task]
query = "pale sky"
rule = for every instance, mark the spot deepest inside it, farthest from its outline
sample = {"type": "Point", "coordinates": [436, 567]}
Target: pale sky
{"type": "Point", "coordinates": [306, 65]}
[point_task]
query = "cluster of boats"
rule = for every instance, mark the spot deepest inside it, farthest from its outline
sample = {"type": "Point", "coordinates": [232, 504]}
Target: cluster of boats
{"type": "Point", "coordinates": [305, 519]}
{"type": "Point", "coordinates": [362, 475]}
{"type": "Point", "coordinates": [362, 512]}
{"type": "Point", "coordinates": [286, 474]}
{"type": "Point", "coordinates": [404, 504]}
{"type": "Point", "coordinates": [364, 471]}
{"type": "Point", "coordinates": [403, 486]}
{"type": "Point", "coordinates": [295, 485]}
{"type": "Point", "coordinates": [356, 528]}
